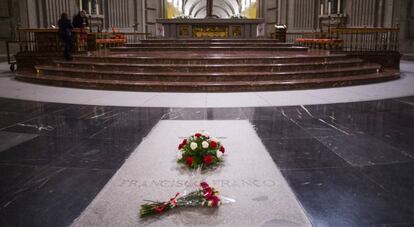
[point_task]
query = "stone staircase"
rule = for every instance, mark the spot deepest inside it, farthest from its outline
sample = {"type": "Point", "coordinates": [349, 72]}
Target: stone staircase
{"type": "Point", "coordinates": [210, 45]}
{"type": "Point", "coordinates": [208, 66]}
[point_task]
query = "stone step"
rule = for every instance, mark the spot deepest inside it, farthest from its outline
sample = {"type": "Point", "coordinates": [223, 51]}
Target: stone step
{"type": "Point", "coordinates": [211, 59]}
{"type": "Point", "coordinates": [206, 76]}
{"type": "Point", "coordinates": [128, 67]}
{"type": "Point", "coordinates": [220, 49]}
{"type": "Point", "coordinates": [210, 41]}
{"type": "Point", "coordinates": [210, 44]}
{"type": "Point", "coordinates": [224, 86]}
{"type": "Point", "coordinates": [207, 65]}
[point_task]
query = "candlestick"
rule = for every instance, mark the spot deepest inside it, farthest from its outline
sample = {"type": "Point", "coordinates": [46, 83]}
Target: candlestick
{"type": "Point", "coordinates": [329, 8]}
{"type": "Point", "coordinates": [321, 9]}
{"type": "Point", "coordinates": [339, 7]}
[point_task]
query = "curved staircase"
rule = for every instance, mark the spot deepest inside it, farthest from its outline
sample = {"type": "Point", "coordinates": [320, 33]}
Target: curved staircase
{"type": "Point", "coordinates": [208, 66]}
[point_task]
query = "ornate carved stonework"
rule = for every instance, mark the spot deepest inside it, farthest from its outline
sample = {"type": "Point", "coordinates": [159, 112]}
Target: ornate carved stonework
{"type": "Point", "coordinates": [210, 31]}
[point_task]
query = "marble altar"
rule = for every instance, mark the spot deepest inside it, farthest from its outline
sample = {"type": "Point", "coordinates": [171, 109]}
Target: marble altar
{"type": "Point", "coordinates": [210, 28]}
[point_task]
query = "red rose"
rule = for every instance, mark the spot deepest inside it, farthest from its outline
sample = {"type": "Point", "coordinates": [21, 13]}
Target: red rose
{"type": "Point", "coordinates": [197, 135]}
{"type": "Point", "coordinates": [213, 144]}
{"type": "Point", "coordinates": [214, 201]}
{"type": "Point", "coordinates": [222, 149]}
{"type": "Point", "coordinates": [208, 159]}
{"type": "Point", "coordinates": [182, 144]}
{"type": "Point", "coordinates": [189, 161]}
{"type": "Point", "coordinates": [204, 185]}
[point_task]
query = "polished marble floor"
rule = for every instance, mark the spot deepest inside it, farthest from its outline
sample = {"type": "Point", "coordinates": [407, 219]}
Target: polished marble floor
{"type": "Point", "coordinates": [349, 164]}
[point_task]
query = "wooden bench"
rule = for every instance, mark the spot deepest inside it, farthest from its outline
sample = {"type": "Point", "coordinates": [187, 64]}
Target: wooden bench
{"type": "Point", "coordinates": [322, 43]}
{"type": "Point", "coordinates": [110, 39]}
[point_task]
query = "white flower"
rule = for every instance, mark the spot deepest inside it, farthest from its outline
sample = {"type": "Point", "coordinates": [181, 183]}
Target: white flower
{"type": "Point", "coordinates": [205, 144]}
{"type": "Point", "coordinates": [180, 155]}
{"type": "Point", "coordinates": [193, 146]}
{"type": "Point", "coordinates": [219, 154]}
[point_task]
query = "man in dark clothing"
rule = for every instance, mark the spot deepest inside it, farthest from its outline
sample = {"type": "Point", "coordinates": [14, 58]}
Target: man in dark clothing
{"type": "Point", "coordinates": [80, 20]}
{"type": "Point", "coordinates": [65, 33]}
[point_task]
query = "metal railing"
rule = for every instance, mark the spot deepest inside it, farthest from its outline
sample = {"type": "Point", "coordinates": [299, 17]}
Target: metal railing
{"type": "Point", "coordinates": [48, 40]}
{"type": "Point", "coordinates": [104, 40]}
{"type": "Point", "coordinates": [134, 37]}
{"type": "Point", "coordinates": [368, 39]}
{"type": "Point", "coordinates": [292, 36]}
{"type": "Point", "coordinates": [42, 40]}
{"type": "Point", "coordinates": [355, 39]}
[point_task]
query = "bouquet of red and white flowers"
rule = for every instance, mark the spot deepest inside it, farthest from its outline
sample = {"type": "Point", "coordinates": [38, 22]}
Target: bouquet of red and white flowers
{"type": "Point", "coordinates": [200, 151]}
{"type": "Point", "coordinates": [204, 197]}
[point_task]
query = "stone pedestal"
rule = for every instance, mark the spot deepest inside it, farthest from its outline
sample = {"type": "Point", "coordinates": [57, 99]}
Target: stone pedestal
{"type": "Point", "coordinates": [210, 28]}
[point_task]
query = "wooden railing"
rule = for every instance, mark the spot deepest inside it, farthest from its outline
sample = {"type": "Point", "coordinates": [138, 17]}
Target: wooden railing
{"type": "Point", "coordinates": [355, 39]}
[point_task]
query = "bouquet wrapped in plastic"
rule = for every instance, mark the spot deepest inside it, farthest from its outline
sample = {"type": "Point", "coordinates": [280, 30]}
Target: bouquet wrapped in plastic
{"type": "Point", "coordinates": [206, 196]}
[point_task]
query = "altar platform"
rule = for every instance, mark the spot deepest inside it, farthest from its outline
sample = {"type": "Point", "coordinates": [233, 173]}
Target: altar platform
{"type": "Point", "coordinates": [210, 28]}
{"type": "Point", "coordinates": [208, 66]}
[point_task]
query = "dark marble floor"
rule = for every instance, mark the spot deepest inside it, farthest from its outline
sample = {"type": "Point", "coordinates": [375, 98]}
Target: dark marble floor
{"type": "Point", "coordinates": [349, 164]}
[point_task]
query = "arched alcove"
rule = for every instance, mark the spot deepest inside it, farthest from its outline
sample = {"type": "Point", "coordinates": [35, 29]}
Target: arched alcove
{"type": "Point", "coordinates": [221, 8]}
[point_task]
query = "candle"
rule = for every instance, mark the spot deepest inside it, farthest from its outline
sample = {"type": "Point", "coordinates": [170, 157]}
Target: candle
{"type": "Point", "coordinates": [339, 7]}
{"type": "Point", "coordinates": [329, 8]}
{"type": "Point", "coordinates": [321, 9]}
{"type": "Point", "coordinates": [90, 7]}
{"type": "Point", "coordinates": [97, 9]}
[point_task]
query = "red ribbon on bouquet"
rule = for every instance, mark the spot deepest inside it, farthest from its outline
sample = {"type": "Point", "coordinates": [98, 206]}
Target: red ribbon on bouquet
{"type": "Point", "coordinates": [160, 209]}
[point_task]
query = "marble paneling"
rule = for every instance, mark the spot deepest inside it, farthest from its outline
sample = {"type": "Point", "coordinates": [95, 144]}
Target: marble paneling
{"type": "Point", "coordinates": [364, 150]}
{"type": "Point", "coordinates": [42, 150]}
{"type": "Point", "coordinates": [61, 126]}
{"type": "Point", "coordinates": [302, 153]}
{"type": "Point", "coordinates": [353, 168]}
{"type": "Point", "coordinates": [47, 196]}
{"type": "Point", "coordinates": [345, 197]}
{"type": "Point", "coordinates": [10, 139]}
{"type": "Point", "coordinates": [395, 178]}
{"type": "Point", "coordinates": [96, 154]}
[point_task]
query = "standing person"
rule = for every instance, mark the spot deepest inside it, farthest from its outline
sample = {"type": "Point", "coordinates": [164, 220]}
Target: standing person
{"type": "Point", "coordinates": [65, 33]}
{"type": "Point", "coordinates": [81, 21]}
